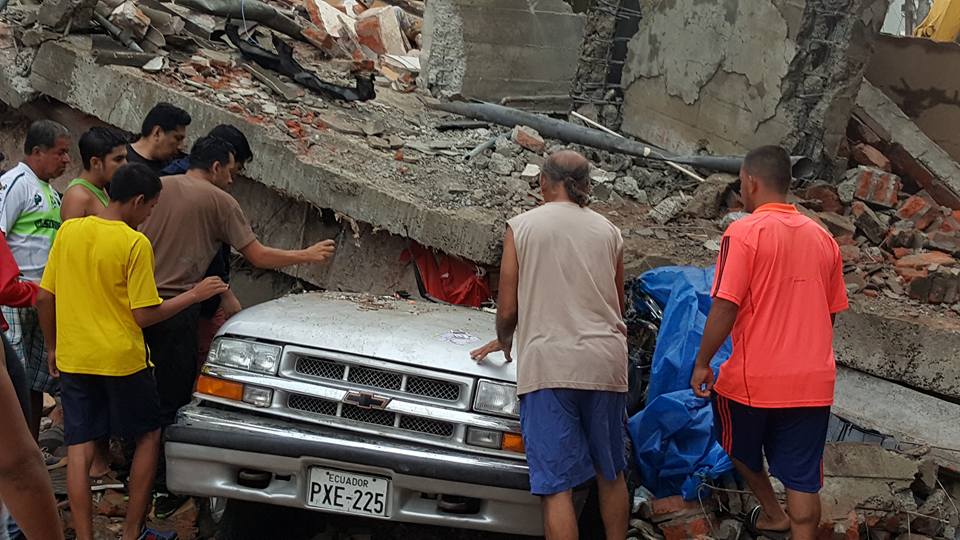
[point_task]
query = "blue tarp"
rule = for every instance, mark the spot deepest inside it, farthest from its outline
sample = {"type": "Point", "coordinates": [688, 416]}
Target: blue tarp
{"type": "Point", "coordinates": [672, 436]}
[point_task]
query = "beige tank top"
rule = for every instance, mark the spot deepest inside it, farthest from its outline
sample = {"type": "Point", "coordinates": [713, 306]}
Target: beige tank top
{"type": "Point", "coordinates": [570, 333]}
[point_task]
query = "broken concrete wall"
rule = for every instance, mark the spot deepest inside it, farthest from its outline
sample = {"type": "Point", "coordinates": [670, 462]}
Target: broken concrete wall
{"type": "Point", "coordinates": [923, 78]}
{"type": "Point", "coordinates": [491, 49]}
{"type": "Point", "coordinates": [731, 75]}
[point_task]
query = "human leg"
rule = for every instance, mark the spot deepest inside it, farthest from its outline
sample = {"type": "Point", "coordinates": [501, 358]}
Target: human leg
{"type": "Point", "coordinates": [740, 430]}
{"type": "Point", "coordinates": [85, 420]}
{"type": "Point", "coordinates": [603, 418]}
{"type": "Point", "coordinates": [558, 456]}
{"type": "Point", "coordinates": [142, 473]}
{"type": "Point", "coordinates": [794, 448]}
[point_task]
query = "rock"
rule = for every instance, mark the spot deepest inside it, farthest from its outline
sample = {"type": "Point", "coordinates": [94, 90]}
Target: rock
{"type": "Point", "coordinates": [731, 217]}
{"type": "Point", "coordinates": [58, 14]}
{"type": "Point", "coordinates": [921, 210]}
{"type": "Point", "coordinates": [507, 148]}
{"type": "Point", "coordinates": [269, 108]}
{"type": "Point", "coordinates": [668, 209]}
{"type": "Point", "coordinates": [528, 138]}
{"type": "Point", "coordinates": [710, 195]}
{"type": "Point", "coordinates": [924, 260]}
{"type": "Point", "coordinates": [111, 504]}
{"type": "Point", "coordinates": [217, 58]}
{"type": "Point", "coordinates": [128, 17]}
{"type": "Point", "coordinates": [154, 66]}
{"type": "Point", "coordinates": [838, 225]}
{"type": "Point", "coordinates": [868, 222]}
{"type": "Point", "coordinates": [628, 187]}
{"type": "Point", "coordinates": [600, 176]}
{"type": "Point", "coordinates": [530, 173]}
{"type": "Point", "coordinates": [500, 165]}
{"type": "Point", "coordinates": [36, 36]}
{"type": "Point", "coordinates": [602, 192]}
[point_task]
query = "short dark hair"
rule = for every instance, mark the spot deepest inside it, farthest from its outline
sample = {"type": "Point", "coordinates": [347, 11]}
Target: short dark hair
{"type": "Point", "coordinates": [132, 180]}
{"type": "Point", "coordinates": [209, 150]}
{"type": "Point", "coordinates": [100, 141]}
{"type": "Point", "coordinates": [771, 165]}
{"type": "Point", "coordinates": [241, 148]}
{"type": "Point", "coordinates": [165, 116]}
{"type": "Point", "coordinates": [43, 134]}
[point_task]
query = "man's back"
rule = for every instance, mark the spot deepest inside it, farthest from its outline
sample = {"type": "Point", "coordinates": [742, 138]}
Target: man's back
{"type": "Point", "coordinates": [570, 331]}
{"type": "Point", "coordinates": [100, 271]}
{"type": "Point", "coordinates": [187, 227]}
{"type": "Point", "coordinates": [786, 275]}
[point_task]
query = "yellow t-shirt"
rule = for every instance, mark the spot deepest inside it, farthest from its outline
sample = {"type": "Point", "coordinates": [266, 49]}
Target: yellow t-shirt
{"type": "Point", "coordinates": [100, 271]}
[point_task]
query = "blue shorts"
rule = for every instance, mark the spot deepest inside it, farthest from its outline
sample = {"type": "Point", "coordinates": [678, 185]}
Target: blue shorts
{"type": "Point", "coordinates": [791, 439]}
{"type": "Point", "coordinates": [572, 436]}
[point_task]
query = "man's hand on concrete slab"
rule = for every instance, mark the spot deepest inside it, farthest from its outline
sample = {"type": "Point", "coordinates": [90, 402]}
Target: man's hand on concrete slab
{"type": "Point", "coordinates": [321, 251]}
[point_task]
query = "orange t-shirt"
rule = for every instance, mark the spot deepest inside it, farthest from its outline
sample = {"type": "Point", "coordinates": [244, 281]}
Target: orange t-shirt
{"type": "Point", "coordinates": [785, 273]}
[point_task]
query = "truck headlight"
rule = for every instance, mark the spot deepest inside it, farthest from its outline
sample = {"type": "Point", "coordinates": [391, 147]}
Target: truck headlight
{"type": "Point", "coordinates": [246, 355]}
{"type": "Point", "coordinates": [497, 398]}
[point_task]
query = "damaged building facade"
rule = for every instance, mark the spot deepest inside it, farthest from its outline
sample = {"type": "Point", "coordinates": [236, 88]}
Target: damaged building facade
{"type": "Point", "coordinates": [389, 177]}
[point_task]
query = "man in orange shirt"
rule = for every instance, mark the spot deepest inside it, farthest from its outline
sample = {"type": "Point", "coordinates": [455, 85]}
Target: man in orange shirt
{"type": "Point", "coordinates": [778, 286]}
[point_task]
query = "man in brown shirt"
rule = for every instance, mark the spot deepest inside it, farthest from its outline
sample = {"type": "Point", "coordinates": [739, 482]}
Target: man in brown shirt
{"type": "Point", "coordinates": [188, 225]}
{"type": "Point", "coordinates": [561, 299]}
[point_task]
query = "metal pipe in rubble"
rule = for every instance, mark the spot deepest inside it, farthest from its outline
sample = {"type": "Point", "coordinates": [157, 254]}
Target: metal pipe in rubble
{"type": "Point", "coordinates": [572, 133]}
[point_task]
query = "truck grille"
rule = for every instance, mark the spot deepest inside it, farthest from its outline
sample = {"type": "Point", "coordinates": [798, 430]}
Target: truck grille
{"type": "Point", "coordinates": [325, 407]}
{"type": "Point", "coordinates": [379, 378]}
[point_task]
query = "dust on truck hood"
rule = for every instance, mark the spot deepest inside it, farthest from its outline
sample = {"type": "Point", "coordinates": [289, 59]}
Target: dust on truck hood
{"type": "Point", "coordinates": [417, 333]}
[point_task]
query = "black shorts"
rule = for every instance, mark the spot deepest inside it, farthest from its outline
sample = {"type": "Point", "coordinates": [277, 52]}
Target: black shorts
{"type": "Point", "coordinates": [173, 351]}
{"type": "Point", "coordinates": [97, 406]}
{"type": "Point", "coordinates": [791, 439]}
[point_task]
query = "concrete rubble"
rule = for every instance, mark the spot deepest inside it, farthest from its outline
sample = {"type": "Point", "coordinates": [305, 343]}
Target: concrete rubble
{"type": "Point", "coordinates": [377, 170]}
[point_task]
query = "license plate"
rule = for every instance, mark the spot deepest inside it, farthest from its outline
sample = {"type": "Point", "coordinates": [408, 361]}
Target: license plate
{"type": "Point", "coordinates": [349, 493]}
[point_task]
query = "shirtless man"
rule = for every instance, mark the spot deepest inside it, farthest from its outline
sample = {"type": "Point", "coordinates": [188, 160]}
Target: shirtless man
{"type": "Point", "coordinates": [103, 150]}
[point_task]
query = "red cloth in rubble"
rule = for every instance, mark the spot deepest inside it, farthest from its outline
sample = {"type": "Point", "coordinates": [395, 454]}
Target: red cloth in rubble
{"type": "Point", "coordinates": [448, 278]}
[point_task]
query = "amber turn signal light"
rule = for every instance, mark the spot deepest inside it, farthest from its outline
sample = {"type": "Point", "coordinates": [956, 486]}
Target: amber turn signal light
{"type": "Point", "coordinates": [513, 442]}
{"type": "Point", "coordinates": [220, 388]}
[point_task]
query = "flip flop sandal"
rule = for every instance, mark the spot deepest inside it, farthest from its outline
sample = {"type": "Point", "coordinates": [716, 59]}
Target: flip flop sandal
{"type": "Point", "coordinates": [751, 523]}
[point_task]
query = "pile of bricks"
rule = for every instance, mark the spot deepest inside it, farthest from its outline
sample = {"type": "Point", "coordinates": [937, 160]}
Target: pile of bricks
{"type": "Point", "coordinates": [897, 227]}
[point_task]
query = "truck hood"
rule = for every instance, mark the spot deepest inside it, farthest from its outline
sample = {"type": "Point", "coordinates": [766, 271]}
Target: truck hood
{"type": "Point", "coordinates": [417, 333]}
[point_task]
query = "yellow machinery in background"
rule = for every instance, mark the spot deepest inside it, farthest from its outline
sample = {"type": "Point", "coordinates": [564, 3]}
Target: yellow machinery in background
{"type": "Point", "coordinates": [942, 22]}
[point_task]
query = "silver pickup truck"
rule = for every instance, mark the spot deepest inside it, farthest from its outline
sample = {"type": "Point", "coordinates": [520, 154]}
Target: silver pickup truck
{"type": "Point", "coordinates": [358, 405]}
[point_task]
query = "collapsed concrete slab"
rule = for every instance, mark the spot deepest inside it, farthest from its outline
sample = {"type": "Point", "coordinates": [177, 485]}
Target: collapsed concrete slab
{"type": "Point", "coordinates": [493, 49]}
{"type": "Point", "coordinates": [731, 75]}
{"type": "Point", "coordinates": [921, 76]}
{"type": "Point", "coordinates": [918, 354]}
{"type": "Point", "coordinates": [122, 96]}
{"type": "Point", "coordinates": [895, 410]}
{"type": "Point", "coordinates": [922, 159]}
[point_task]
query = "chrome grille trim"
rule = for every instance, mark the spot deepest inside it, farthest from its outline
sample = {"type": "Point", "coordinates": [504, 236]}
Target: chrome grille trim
{"type": "Point", "coordinates": [326, 407]}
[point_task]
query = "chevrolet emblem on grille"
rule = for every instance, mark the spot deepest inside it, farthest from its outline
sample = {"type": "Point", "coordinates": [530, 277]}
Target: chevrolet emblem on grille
{"type": "Point", "coordinates": [366, 401]}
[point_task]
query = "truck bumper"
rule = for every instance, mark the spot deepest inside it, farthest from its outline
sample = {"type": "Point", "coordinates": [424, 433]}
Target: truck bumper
{"type": "Point", "coordinates": [207, 448]}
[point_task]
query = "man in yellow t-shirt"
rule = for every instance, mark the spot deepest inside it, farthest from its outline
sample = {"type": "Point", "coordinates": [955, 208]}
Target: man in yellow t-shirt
{"type": "Point", "coordinates": [97, 293]}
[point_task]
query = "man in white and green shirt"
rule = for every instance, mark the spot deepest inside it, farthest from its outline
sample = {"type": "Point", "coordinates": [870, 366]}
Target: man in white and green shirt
{"type": "Point", "coordinates": [30, 217]}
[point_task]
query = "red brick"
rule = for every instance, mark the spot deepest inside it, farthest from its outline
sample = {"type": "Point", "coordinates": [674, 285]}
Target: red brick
{"type": "Point", "coordinates": [379, 30]}
{"type": "Point", "coordinates": [877, 187]}
{"type": "Point", "coordinates": [920, 209]}
{"type": "Point", "coordinates": [901, 252]}
{"type": "Point", "coordinates": [687, 528]}
{"type": "Point", "coordinates": [924, 260]}
{"type": "Point", "coordinates": [910, 274]}
{"type": "Point", "coordinates": [850, 254]}
{"type": "Point", "coordinates": [528, 138]}
{"type": "Point", "coordinates": [671, 505]}
{"type": "Point", "coordinates": [827, 195]}
{"type": "Point", "coordinates": [864, 154]}
{"type": "Point", "coordinates": [910, 169]}
{"type": "Point", "coordinates": [949, 224]}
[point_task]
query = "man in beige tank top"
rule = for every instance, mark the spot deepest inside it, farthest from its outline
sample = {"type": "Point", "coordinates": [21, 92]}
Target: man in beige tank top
{"type": "Point", "coordinates": [561, 299]}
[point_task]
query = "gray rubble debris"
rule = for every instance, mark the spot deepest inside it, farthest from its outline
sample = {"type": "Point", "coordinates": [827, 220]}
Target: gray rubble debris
{"type": "Point", "coordinates": [668, 209]}
{"type": "Point", "coordinates": [500, 164]}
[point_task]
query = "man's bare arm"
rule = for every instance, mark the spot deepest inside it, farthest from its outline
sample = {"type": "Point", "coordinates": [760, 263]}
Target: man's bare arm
{"type": "Point", "coordinates": [720, 321]}
{"type": "Point", "coordinates": [271, 258]}
{"type": "Point", "coordinates": [507, 303]}
{"type": "Point", "coordinates": [77, 204]}
{"type": "Point", "coordinates": [621, 293]}
{"type": "Point", "coordinates": [47, 314]}
{"type": "Point", "coordinates": [208, 288]}
{"type": "Point", "coordinates": [24, 483]}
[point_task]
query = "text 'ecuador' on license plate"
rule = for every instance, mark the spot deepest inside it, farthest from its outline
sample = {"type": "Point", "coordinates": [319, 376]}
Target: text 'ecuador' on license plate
{"type": "Point", "coordinates": [347, 492]}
